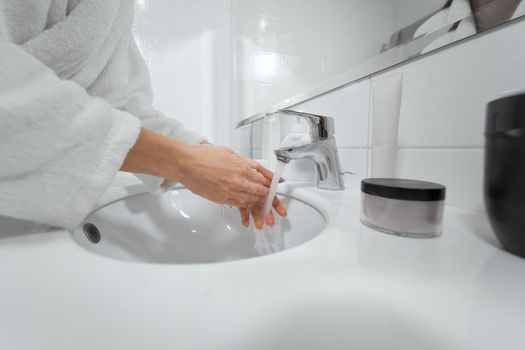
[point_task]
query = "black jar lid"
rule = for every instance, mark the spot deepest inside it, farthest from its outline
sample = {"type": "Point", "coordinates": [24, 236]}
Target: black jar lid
{"type": "Point", "coordinates": [403, 189]}
{"type": "Point", "coordinates": [506, 113]}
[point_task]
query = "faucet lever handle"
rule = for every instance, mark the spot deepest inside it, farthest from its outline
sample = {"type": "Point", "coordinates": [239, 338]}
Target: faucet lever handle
{"type": "Point", "coordinates": [321, 127]}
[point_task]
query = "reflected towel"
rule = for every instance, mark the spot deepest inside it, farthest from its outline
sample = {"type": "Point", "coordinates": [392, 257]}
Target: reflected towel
{"type": "Point", "coordinates": [457, 11]}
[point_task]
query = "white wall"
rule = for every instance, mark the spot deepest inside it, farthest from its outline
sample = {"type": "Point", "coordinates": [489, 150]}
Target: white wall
{"type": "Point", "coordinates": [443, 110]}
{"type": "Point", "coordinates": [442, 113]}
{"type": "Point", "coordinates": [187, 47]}
{"type": "Point", "coordinates": [284, 47]}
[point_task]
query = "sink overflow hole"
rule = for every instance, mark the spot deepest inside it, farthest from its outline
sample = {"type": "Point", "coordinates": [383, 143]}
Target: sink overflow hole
{"type": "Point", "coordinates": [92, 233]}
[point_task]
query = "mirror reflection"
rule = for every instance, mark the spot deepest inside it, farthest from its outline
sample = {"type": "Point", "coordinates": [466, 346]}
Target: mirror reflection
{"type": "Point", "coordinates": [283, 48]}
{"type": "Point", "coordinates": [460, 18]}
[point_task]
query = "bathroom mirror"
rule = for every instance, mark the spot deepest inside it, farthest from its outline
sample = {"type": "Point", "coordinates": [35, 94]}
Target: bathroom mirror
{"type": "Point", "coordinates": [286, 51]}
{"type": "Point", "coordinates": [458, 19]}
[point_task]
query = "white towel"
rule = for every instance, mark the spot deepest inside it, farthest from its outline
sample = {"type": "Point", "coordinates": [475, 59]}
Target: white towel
{"type": "Point", "coordinates": [457, 11]}
{"type": "Point", "coordinates": [520, 10]}
{"type": "Point", "coordinates": [69, 117]}
{"type": "Point", "coordinates": [465, 28]}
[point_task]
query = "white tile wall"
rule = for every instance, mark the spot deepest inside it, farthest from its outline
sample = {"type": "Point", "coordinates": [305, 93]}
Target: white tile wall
{"type": "Point", "coordinates": [442, 113]}
{"type": "Point", "coordinates": [267, 8]}
{"type": "Point", "coordinates": [349, 106]}
{"type": "Point", "coordinates": [460, 170]}
{"type": "Point", "coordinates": [284, 47]}
{"type": "Point", "coordinates": [443, 110]}
{"type": "Point", "coordinates": [444, 94]}
{"type": "Point", "coordinates": [354, 160]}
{"type": "Point", "coordinates": [187, 47]}
{"type": "Point", "coordinates": [445, 104]}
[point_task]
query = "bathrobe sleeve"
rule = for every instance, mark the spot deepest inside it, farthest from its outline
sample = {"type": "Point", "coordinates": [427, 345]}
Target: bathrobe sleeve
{"type": "Point", "coordinates": [140, 104]}
{"type": "Point", "coordinates": [59, 148]}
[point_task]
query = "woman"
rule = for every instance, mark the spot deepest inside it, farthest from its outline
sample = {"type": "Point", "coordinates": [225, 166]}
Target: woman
{"type": "Point", "coordinates": [76, 107]}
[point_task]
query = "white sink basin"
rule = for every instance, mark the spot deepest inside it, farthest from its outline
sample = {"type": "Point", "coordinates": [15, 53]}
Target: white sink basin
{"type": "Point", "coordinates": [179, 227]}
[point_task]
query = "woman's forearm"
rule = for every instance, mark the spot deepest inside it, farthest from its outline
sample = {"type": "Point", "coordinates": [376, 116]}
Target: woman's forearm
{"type": "Point", "coordinates": [154, 154]}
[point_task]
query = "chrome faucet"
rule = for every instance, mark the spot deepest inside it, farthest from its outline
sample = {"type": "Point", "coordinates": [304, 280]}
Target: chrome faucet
{"type": "Point", "coordinates": [322, 150]}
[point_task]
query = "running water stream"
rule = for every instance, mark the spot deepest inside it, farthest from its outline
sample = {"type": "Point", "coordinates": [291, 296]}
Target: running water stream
{"type": "Point", "coordinates": [270, 239]}
{"type": "Point", "coordinates": [279, 168]}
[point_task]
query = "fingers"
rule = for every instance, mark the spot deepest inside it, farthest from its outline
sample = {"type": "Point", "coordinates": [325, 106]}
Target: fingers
{"type": "Point", "coordinates": [258, 215]}
{"type": "Point", "coordinates": [279, 207]}
{"type": "Point", "coordinates": [258, 218]}
{"type": "Point", "coordinates": [253, 164]}
{"type": "Point", "coordinates": [262, 170]}
{"type": "Point", "coordinates": [245, 216]}
{"type": "Point", "coordinates": [256, 193]}
{"type": "Point", "coordinates": [260, 178]}
{"type": "Point", "coordinates": [267, 173]}
{"type": "Point", "coordinates": [270, 219]}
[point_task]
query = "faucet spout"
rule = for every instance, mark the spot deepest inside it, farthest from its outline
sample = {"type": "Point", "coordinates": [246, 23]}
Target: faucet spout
{"type": "Point", "coordinates": [326, 160]}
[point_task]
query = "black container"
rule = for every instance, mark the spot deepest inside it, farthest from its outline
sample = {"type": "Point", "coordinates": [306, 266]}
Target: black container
{"type": "Point", "coordinates": [504, 186]}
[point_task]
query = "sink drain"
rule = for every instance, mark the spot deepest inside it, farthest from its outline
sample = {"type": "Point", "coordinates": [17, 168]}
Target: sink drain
{"type": "Point", "coordinates": [92, 233]}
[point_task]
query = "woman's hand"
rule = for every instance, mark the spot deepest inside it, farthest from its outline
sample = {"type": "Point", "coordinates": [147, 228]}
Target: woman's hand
{"type": "Point", "coordinates": [258, 215]}
{"type": "Point", "coordinates": [221, 175]}
{"type": "Point", "coordinates": [216, 173]}
{"type": "Point", "coordinates": [257, 210]}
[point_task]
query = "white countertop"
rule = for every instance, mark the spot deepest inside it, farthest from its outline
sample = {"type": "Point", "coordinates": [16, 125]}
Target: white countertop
{"type": "Point", "coordinates": [351, 287]}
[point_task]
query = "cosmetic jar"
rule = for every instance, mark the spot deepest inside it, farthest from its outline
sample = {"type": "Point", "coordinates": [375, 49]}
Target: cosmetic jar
{"type": "Point", "coordinates": [504, 180]}
{"type": "Point", "coordinates": [410, 208]}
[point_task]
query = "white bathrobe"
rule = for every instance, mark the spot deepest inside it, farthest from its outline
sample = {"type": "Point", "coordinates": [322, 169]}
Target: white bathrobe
{"type": "Point", "coordinates": [74, 93]}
